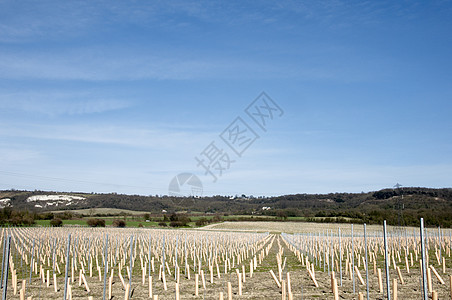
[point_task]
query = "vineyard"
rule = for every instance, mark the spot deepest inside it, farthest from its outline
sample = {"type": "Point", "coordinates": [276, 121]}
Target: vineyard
{"type": "Point", "coordinates": [343, 261]}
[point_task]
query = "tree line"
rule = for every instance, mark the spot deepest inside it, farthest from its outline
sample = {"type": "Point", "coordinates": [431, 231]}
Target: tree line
{"type": "Point", "coordinates": [402, 206]}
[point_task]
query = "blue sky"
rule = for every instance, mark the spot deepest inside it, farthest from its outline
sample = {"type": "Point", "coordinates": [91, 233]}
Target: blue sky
{"type": "Point", "coordinates": [121, 96]}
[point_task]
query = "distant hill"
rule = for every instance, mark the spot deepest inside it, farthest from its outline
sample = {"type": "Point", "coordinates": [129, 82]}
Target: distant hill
{"type": "Point", "coordinates": [398, 206]}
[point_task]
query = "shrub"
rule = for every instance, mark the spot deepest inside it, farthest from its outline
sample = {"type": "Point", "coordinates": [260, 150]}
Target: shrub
{"type": "Point", "coordinates": [185, 220]}
{"type": "Point", "coordinates": [96, 222]}
{"type": "Point", "coordinates": [176, 224]}
{"type": "Point", "coordinates": [201, 222]}
{"type": "Point", "coordinates": [163, 224]}
{"type": "Point", "coordinates": [216, 219]}
{"type": "Point", "coordinates": [56, 222]}
{"type": "Point", "coordinates": [174, 217]}
{"type": "Point", "coordinates": [15, 221]}
{"type": "Point", "coordinates": [48, 216]}
{"type": "Point", "coordinates": [119, 223]}
{"type": "Point", "coordinates": [179, 220]}
{"type": "Point", "coordinates": [28, 220]}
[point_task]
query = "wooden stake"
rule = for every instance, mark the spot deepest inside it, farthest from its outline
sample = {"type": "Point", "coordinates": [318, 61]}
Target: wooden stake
{"type": "Point", "coordinates": [375, 267]}
{"type": "Point", "coordinates": [400, 276]}
{"type": "Point", "coordinates": [380, 281]}
{"type": "Point", "coordinates": [239, 279]}
{"type": "Point", "coordinates": [275, 278]}
{"type": "Point", "coordinates": [122, 279]}
{"type": "Point", "coordinates": [127, 292]}
{"type": "Point", "coordinates": [24, 284]}
{"type": "Point", "coordinates": [437, 275]}
{"type": "Point", "coordinates": [165, 287]}
{"type": "Point", "coordinates": [69, 291]}
{"type": "Point", "coordinates": [394, 288]}
{"type": "Point", "coordinates": [407, 266]}
{"type": "Point", "coordinates": [429, 280]}
{"type": "Point", "coordinates": [48, 278]}
{"type": "Point", "coordinates": [85, 283]}
{"type": "Point", "coordinates": [434, 295]}
{"type": "Point", "coordinates": [335, 289]}
{"type": "Point", "coordinates": [283, 289]}
{"type": "Point", "coordinates": [203, 280]}
{"type": "Point", "coordinates": [72, 273]}
{"type": "Point", "coordinates": [80, 278]}
{"type": "Point", "coordinates": [14, 277]}
{"type": "Point", "coordinates": [42, 274]}
{"type": "Point", "coordinates": [359, 276]}
{"type": "Point", "coordinates": [177, 291]}
{"type": "Point", "coordinates": [55, 285]}
{"type": "Point", "coordinates": [312, 275]}
{"type": "Point", "coordinates": [332, 281]}
{"type": "Point", "coordinates": [196, 285]}
{"type": "Point", "coordinates": [450, 286]}
{"type": "Point", "coordinates": [289, 286]}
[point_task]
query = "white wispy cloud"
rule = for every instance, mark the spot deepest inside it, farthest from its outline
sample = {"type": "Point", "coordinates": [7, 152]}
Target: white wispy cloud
{"type": "Point", "coordinates": [156, 138]}
{"type": "Point", "coordinates": [32, 20]}
{"type": "Point", "coordinates": [59, 103]}
{"type": "Point", "coordinates": [50, 20]}
{"type": "Point", "coordinates": [101, 64]}
{"type": "Point", "coordinates": [15, 155]}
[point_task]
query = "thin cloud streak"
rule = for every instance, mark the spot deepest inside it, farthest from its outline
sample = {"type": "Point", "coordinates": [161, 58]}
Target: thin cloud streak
{"type": "Point", "coordinates": [15, 155]}
{"type": "Point", "coordinates": [60, 103]}
{"type": "Point", "coordinates": [93, 65]}
{"type": "Point", "coordinates": [76, 18]}
{"type": "Point", "coordinates": [109, 134]}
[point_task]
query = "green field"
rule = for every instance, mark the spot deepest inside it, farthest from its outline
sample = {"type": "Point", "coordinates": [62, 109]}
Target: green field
{"type": "Point", "coordinates": [136, 218]}
{"type": "Point", "coordinates": [108, 222]}
{"type": "Point", "coordinates": [101, 211]}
